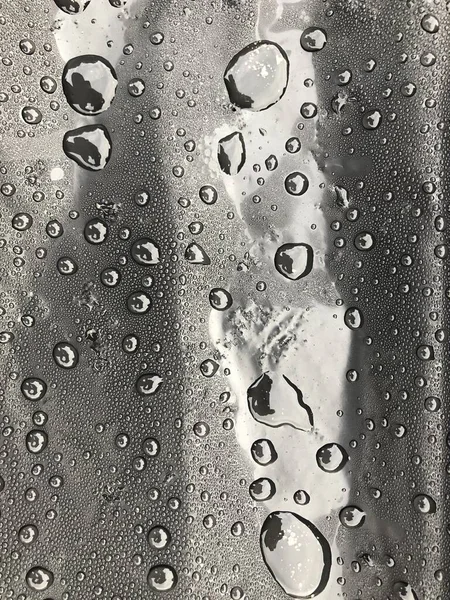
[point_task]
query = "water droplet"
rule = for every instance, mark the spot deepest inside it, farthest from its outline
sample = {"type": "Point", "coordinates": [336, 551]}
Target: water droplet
{"type": "Point", "coordinates": [296, 184]}
{"type": "Point", "coordinates": [36, 441]}
{"type": "Point", "coordinates": [89, 146]}
{"type": "Point", "coordinates": [145, 252]}
{"type": "Point", "coordinates": [231, 153]}
{"type": "Point", "coordinates": [39, 579]}
{"type": "Point", "coordinates": [89, 84]}
{"type": "Point", "coordinates": [148, 384]}
{"type": "Point", "coordinates": [263, 452]}
{"type": "Point", "coordinates": [196, 255]}
{"type": "Point", "coordinates": [331, 458]}
{"type": "Point", "coordinates": [313, 39]}
{"type": "Point", "coordinates": [424, 504]}
{"type": "Point", "coordinates": [162, 578]}
{"type": "Point", "coordinates": [403, 591]}
{"type": "Point", "coordinates": [257, 76]}
{"type": "Point", "coordinates": [294, 261]}
{"type": "Point", "coordinates": [220, 299]}
{"type": "Point", "coordinates": [296, 553]}
{"type": "Point", "coordinates": [352, 517]}
{"type": "Point", "coordinates": [65, 355]}
{"type": "Point", "coordinates": [262, 489]}
{"type": "Point", "coordinates": [276, 401]}
{"type": "Point", "coordinates": [72, 7]}
{"type": "Point", "coordinates": [33, 388]}
{"type": "Point", "coordinates": [353, 318]}
{"type": "Point", "coordinates": [158, 537]}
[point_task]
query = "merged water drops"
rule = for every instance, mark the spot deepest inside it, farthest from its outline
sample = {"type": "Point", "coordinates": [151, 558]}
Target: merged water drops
{"type": "Point", "coordinates": [257, 76]}
{"type": "Point", "coordinates": [89, 83]}
{"type": "Point", "coordinates": [294, 261]}
{"type": "Point", "coordinates": [296, 553]}
{"type": "Point", "coordinates": [89, 146]}
{"type": "Point", "coordinates": [275, 400]}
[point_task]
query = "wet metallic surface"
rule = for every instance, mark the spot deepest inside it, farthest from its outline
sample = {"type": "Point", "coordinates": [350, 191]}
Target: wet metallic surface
{"type": "Point", "coordinates": [224, 350]}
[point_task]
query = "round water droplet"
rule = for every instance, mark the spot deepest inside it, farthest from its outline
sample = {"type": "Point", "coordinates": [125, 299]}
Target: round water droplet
{"type": "Point", "coordinates": [22, 221]}
{"type": "Point", "coordinates": [130, 343]}
{"type": "Point", "coordinates": [162, 578]}
{"type": "Point", "coordinates": [33, 388]}
{"type": "Point", "coordinates": [89, 84]}
{"type": "Point", "coordinates": [66, 265]}
{"type": "Point", "coordinates": [89, 146]}
{"type": "Point", "coordinates": [208, 367]}
{"type": "Point", "coordinates": [364, 241]}
{"type": "Point", "coordinates": [39, 579]}
{"type": "Point", "coordinates": [31, 115]}
{"type": "Point", "coordinates": [36, 441]}
{"type": "Point", "coordinates": [430, 24]}
{"type": "Point", "coordinates": [301, 497]}
{"type": "Point", "coordinates": [257, 76]}
{"type": "Point", "coordinates": [158, 537]}
{"type": "Point", "coordinates": [296, 553]}
{"type": "Point", "coordinates": [294, 261]}
{"type": "Point", "coordinates": [208, 194]}
{"type": "Point", "coordinates": [65, 355]}
{"type": "Point", "coordinates": [313, 39]}
{"type": "Point", "coordinates": [262, 489]}
{"type": "Point", "coordinates": [352, 517]}
{"type": "Point", "coordinates": [28, 534]}
{"type": "Point", "coordinates": [139, 303]}
{"type": "Point", "coordinates": [424, 504]}
{"type": "Point", "coordinates": [148, 384]}
{"type": "Point", "coordinates": [263, 452]}
{"type": "Point", "coordinates": [296, 184]}
{"type": "Point", "coordinates": [220, 299]}
{"type": "Point", "coordinates": [372, 119]}
{"type": "Point", "coordinates": [331, 458]}
{"type": "Point", "coordinates": [96, 231]}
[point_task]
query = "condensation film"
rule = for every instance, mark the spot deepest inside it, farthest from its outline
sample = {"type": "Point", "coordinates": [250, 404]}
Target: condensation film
{"type": "Point", "coordinates": [224, 299]}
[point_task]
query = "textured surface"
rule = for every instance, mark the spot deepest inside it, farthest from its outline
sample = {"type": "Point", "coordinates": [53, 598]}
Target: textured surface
{"type": "Point", "coordinates": [224, 299]}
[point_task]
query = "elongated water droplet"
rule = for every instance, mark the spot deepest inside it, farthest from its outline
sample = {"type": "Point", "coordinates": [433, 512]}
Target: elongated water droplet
{"type": "Point", "coordinates": [231, 153]}
{"type": "Point", "coordinates": [296, 553]}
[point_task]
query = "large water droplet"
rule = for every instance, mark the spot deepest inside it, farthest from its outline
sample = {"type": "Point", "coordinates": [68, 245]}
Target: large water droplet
{"type": "Point", "coordinates": [331, 458]}
{"type": "Point", "coordinates": [89, 83]}
{"type": "Point", "coordinates": [296, 553]}
{"type": "Point", "coordinates": [162, 578]}
{"type": "Point", "coordinates": [263, 452]}
{"type": "Point", "coordinates": [89, 146]}
{"type": "Point", "coordinates": [231, 153]}
{"type": "Point", "coordinates": [294, 261]}
{"type": "Point", "coordinates": [257, 76]}
{"type": "Point", "coordinates": [39, 579]}
{"type": "Point", "coordinates": [276, 401]}
{"type": "Point", "coordinates": [403, 591]}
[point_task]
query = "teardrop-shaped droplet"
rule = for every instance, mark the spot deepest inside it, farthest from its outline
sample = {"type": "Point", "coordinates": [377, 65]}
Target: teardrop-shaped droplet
{"type": "Point", "coordinates": [89, 146]}
{"type": "Point", "coordinates": [294, 261]}
{"type": "Point", "coordinates": [89, 83]}
{"type": "Point", "coordinates": [296, 553]}
{"type": "Point", "coordinates": [275, 400]}
{"type": "Point", "coordinates": [196, 255]}
{"type": "Point", "coordinates": [231, 153]}
{"type": "Point", "coordinates": [257, 76]}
